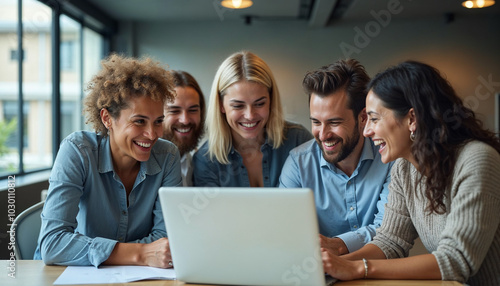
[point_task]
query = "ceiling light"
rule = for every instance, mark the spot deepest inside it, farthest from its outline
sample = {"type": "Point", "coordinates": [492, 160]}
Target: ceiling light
{"type": "Point", "coordinates": [237, 4]}
{"type": "Point", "coordinates": [478, 3]}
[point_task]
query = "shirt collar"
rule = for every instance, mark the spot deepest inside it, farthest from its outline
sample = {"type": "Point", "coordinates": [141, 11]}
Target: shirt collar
{"type": "Point", "coordinates": [367, 153]}
{"type": "Point", "coordinates": [105, 159]}
{"type": "Point", "coordinates": [150, 167]}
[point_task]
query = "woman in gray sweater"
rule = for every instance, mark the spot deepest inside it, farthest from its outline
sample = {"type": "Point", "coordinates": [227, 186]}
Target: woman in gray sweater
{"type": "Point", "coordinates": [445, 184]}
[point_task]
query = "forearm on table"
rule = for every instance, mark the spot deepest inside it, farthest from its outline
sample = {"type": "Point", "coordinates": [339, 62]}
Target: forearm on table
{"type": "Point", "coordinates": [422, 267]}
{"type": "Point", "coordinates": [369, 251]}
{"type": "Point", "coordinates": [126, 254]}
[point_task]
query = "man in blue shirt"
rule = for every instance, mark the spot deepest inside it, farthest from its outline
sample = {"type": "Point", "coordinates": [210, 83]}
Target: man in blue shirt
{"type": "Point", "coordinates": [343, 168]}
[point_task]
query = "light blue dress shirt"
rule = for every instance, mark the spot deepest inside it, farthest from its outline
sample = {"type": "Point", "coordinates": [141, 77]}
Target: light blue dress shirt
{"type": "Point", "coordinates": [350, 208]}
{"type": "Point", "coordinates": [212, 173]}
{"type": "Point", "coordinates": [86, 210]}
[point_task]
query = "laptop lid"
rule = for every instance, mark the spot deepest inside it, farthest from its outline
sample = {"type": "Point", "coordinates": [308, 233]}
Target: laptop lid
{"type": "Point", "coordinates": [243, 236]}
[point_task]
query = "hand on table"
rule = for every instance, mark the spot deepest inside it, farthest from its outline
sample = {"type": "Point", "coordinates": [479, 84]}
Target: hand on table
{"type": "Point", "coordinates": [157, 254]}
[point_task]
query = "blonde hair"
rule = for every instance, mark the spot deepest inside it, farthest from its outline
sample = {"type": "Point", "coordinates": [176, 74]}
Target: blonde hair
{"type": "Point", "coordinates": [120, 79]}
{"type": "Point", "coordinates": [237, 67]}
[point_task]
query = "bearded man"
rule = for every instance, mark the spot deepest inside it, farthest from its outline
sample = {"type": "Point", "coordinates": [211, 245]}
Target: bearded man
{"type": "Point", "coordinates": [184, 120]}
{"type": "Point", "coordinates": [344, 170]}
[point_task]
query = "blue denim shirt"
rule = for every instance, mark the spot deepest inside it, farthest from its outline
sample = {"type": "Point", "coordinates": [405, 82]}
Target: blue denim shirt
{"type": "Point", "coordinates": [212, 173]}
{"type": "Point", "coordinates": [350, 208]}
{"type": "Point", "coordinates": [86, 210]}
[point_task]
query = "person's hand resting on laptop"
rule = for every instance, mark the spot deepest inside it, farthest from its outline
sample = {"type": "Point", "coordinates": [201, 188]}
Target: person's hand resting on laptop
{"type": "Point", "coordinates": [334, 244]}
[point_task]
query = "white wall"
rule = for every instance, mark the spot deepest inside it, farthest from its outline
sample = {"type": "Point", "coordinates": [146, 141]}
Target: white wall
{"type": "Point", "coordinates": [466, 51]}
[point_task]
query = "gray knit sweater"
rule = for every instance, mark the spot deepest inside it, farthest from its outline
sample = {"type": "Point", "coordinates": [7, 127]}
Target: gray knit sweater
{"type": "Point", "coordinates": [466, 239]}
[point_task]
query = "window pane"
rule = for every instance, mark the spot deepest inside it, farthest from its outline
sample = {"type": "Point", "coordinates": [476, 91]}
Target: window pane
{"type": "Point", "coordinates": [37, 85]}
{"type": "Point", "coordinates": [93, 53]}
{"type": "Point", "coordinates": [71, 88]}
{"type": "Point", "coordinates": [9, 88]}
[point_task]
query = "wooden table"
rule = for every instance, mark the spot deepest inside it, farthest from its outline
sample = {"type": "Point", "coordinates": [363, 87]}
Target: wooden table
{"type": "Point", "coordinates": [34, 272]}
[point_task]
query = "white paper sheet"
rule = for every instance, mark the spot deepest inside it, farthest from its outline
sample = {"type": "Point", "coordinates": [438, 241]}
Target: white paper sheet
{"type": "Point", "coordinates": [112, 274]}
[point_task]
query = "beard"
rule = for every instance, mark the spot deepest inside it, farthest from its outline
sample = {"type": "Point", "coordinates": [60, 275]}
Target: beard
{"type": "Point", "coordinates": [188, 144]}
{"type": "Point", "coordinates": [346, 149]}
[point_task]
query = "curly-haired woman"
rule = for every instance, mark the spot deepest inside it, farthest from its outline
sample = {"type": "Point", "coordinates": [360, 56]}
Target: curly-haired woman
{"type": "Point", "coordinates": [444, 184]}
{"type": "Point", "coordinates": [102, 206]}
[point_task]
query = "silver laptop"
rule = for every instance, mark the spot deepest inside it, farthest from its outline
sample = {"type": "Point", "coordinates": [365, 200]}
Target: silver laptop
{"type": "Point", "coordinates": [243, 236]}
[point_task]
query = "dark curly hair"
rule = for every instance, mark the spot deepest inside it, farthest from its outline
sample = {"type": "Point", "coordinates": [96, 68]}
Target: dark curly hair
{"type": "Point", "coordinates": [444, 124]}
{"type": "Point", "coordinates": [120, 79]}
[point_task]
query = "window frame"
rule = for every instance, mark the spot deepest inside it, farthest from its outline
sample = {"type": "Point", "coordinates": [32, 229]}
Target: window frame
{"type": "Point", "coordinates": [88, 16]}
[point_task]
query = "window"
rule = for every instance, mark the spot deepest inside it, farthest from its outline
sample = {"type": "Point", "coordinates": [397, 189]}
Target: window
{"type": "Point", "coordinates": [35, 94]}
{"type": "Point", "coordinates": [14, 55]}
{"type": "Point", "coordinates": [93, 44]}
{"type": "Point", "coordinates": [36, 87]}
{"type": "Point", "coordinates": [71, 81]}
{"type": "Point", "coordinates": [68, 55]}
{"type": "Point", "coordinates": [9, 91]}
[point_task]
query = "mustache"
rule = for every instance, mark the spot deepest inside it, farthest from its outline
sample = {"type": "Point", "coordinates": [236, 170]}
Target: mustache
{"type": "Point", "coordinates": [331, 138]}
{"type": "Point", "coordinates": [189, 125]}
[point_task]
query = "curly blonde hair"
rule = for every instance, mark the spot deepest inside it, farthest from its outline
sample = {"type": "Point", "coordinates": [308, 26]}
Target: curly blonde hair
{"type": "Point", "coordinates": [120, 79]}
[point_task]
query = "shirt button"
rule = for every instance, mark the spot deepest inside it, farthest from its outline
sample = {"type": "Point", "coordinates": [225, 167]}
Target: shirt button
{"type": "Point", "coordinates": [124, 212]}
{"type": "Point", "coordinates": [349, 182]}
{"type": "Point", "coordinates": [267, 178]}
{"type": "Point", "coordinates": [352, 208]}
{"type": "Point", "coordinates": [120, 238]}
{"type": "Point", "coordinates": [121, 187]}
{"type": "Point", "coordinates": [265, 162]}
{"type": "Point", "coordinates": [355, 226]}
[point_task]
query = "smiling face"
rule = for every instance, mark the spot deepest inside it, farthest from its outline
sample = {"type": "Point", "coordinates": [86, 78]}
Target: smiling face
{"type": "Point", "coordinates": [247, 105]}
{"type": "Point", "coordinates": [182, 123]}
{"type": "Point", "coordinates": [133, 134]}
{"type": "Point", "coordinates": [336, 130]}
{"type": "Point", "coordinates": [387, 131]}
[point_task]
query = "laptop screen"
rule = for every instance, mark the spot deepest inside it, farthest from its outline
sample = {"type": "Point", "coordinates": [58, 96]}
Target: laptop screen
{"type": "Point", "coordinates": [243, 236]}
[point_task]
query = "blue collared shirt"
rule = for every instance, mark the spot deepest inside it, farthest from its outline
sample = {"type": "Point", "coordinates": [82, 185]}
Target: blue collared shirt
{"type": "Point", "coordinates": [86, 211]}
{"type": "Point", "coordinates": [350, 208]}
{"type": "Point", "coordinates": [212, 173]}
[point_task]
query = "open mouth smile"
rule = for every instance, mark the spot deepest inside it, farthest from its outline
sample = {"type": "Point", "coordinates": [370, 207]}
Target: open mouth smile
{"type": "Point", "coordinates": [183, 130]}
{"type": "Point", "coordinates": [381, 143]}
{"type": "Point", "coordinates": [143, 144]}
{"type": "Point", "coordinates": [249, 124]}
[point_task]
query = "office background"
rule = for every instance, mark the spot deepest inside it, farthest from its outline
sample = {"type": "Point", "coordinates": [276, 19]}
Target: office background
{"type": "Point", "coordinates": [292, 36]}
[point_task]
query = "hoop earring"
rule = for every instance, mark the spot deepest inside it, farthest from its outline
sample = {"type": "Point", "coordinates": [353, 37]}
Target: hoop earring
{"type": "Point", "coordinates": [412, 136]}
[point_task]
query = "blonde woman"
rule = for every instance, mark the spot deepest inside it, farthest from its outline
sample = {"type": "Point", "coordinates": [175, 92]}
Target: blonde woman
{"type": "Point", "coordinates": [248, 138]}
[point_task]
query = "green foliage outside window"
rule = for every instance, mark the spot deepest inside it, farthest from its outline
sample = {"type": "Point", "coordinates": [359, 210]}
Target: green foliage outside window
{"type": "Point", "coordinates": [6, 129]}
